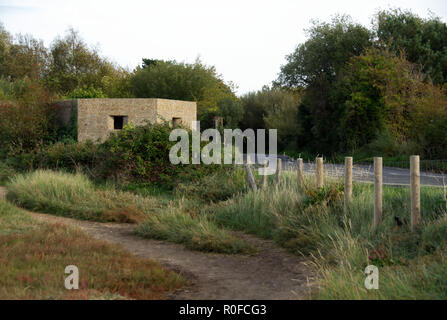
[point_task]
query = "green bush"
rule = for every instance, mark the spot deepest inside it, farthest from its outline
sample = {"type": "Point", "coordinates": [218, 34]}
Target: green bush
{"type": "Point", "coordinates": [72, 157]}
{"type": "Point", "coordinates": [135, 155]}
{"type": "Point", "coordinates": [85, 93]}
{"type": "Point", "coordinates": [138, 154]}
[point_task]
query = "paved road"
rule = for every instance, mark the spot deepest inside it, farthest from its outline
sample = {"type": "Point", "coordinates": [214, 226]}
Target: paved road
{"type": "Point", "coordinates": [365, 173]}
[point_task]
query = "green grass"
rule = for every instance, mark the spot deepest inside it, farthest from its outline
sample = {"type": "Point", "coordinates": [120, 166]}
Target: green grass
{"type": "Point", "coordinates": [75, 196]}
{"type": "Point", "coordinates": [312, 223]}
{"type": "Point", "coordinates": [218, 186]}
{"type": "Point", "coordinates": [34, 254]}
{"type": "Point", "coordinates": [5, 173]}
{"type": "Point", "coordinates": [195, 233]}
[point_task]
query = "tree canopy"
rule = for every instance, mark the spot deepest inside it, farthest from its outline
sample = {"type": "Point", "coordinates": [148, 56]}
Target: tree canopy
{"type": "Point", "coordinates": [182, 81]}
{"type": "Point", "coordinates": [423, 41]}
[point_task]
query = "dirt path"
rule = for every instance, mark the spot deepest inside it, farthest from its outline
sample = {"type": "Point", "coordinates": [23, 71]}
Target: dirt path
{"type": "Point", "coordinates": [271, 274]}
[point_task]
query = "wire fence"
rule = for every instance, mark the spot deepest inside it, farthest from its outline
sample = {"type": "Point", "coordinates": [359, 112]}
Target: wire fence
{"type": "Point", "coordinates": [433, 166]}
{"type": "Point", "coordinates": [349, 175]}
{"type": "Point", "coordinates": [433, 172]}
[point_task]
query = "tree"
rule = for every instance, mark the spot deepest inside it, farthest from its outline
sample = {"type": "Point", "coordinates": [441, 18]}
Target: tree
{"type": "Point", "coordinates": [315, 65]}
{"type": "Point", "coordinates": [273, 108]}
{"type": "Point", "coordinates": [26, 118]}
{"type": "Point", "coordinates": [232, 112]}
{"type": "Point", "coordinates": [384, 99]}
{"type": "Point", "coordinates": [181, 81]}
{"type": "Point", "coordinates": [282, 114]}
{"type": "Point", "coordinates": [74, 65]}
{"type": "Point", "coordinates": [22, 56]}
{"type": "Point", "coordinates": [5, 44]}
{"type": "Point", "coordinates": [424, 41]}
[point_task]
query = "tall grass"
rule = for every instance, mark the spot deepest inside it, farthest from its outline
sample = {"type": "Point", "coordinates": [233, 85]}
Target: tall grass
{"type": "Point", "coordinates": [34, 255]}
{"type": "Point", "coordinates": [5, 173]}
{"type": "Point", "coordinates": [218, 186]}
{"type": "Point", "coordinates": [74, 195]}
{"type": "Point", "coordinates": [197, 233]}
{"type": "Point", "coordinates": [312, 222]}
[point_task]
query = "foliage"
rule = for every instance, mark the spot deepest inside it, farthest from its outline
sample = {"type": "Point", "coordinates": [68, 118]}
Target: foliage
{"type": "Point", "coordinates": [423, 41]}
{"type": "Point", "coordinates": [74, 65]}
{"type": "Point", "coordinates": [282, 114]}
{"type": "Point", "coordinates": [232, 112]}
{"type": "Point", "coordinates": [329, 47]}
{"type": "Point", "coordinates": [22, 56]}
{"type": "Point", "coordinates": [362, 92]}
{"type": "Point", "coordinates": [139, 153]}
{"type": "Point", "coordinates": [72, 157]}
{"type": "Point", "coordinates": [6, 172]}
{"type": "Point", "coordinates": [217, 186]}
{"type": "Point", "coordinates": [181, 81]}
{"type": "Point", "coordinates": [340, 245]}
{"type": "Point", "coordinates": [315, 65]}
{"type": "Point", "coordinates": [84, 92]}
{"type": "Point", "coordinates": [26, 118]}
{"type": "Point", "coordinates": [381, 92]}
{"type": "Point", "coordinates": [273, 108]}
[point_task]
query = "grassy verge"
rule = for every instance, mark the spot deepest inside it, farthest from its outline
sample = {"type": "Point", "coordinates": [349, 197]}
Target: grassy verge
{"type": "Point", "coordinates": [195, 233]}
{"type": "Point", "coordinates": [312, 223]}
{"type": "Point", "coordinates": [5, 173]}
{"type": "Point", "coordinates": [174, 220]}
{"type": "Point", "coordinates": [34, 254]}
{"type": "Point", "coordinates": [218, 186]}
{"type": "Point", "coordinates": [75, 196]}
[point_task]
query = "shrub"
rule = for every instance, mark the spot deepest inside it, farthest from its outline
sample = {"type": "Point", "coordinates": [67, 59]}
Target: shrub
{"type": "Point", "coordinates": [25, 119]}
{"type": "Point", "coordinates": [141, 154]}
{"type": "Point", "coordinates": [72, 157]}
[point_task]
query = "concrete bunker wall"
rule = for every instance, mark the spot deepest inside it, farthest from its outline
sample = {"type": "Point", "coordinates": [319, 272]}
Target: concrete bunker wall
{"type": "Point", "coordinates": [97, 118]}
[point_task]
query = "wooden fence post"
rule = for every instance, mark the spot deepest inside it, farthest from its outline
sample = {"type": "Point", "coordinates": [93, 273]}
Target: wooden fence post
{"type": "Point", "coordinates": [250, 178]}
{"type": "Point", "coordinates": [299, 170]}
{"type": "Point", "coordinates": [319, 172]}
{"type": "Point", "coordinates": [415, 188]}
{"type": "Point", "coordinates": [264, 177]}
{"type": "Point", "coordinates": [377, 191]}
{"type": "Point", "coordinates": [348, 183]}
{"type": "Point", "coordinates": [278, 170]}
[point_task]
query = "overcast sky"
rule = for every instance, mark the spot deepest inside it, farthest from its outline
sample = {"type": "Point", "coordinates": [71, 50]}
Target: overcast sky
{"type": "Point", "coordinates": [246, 40]}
